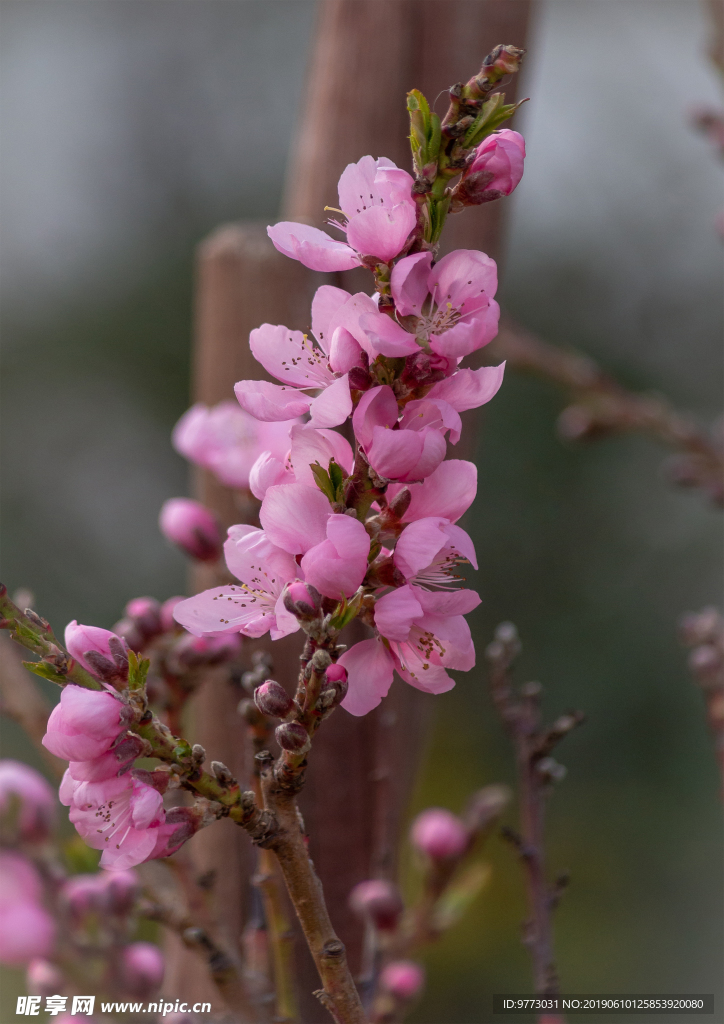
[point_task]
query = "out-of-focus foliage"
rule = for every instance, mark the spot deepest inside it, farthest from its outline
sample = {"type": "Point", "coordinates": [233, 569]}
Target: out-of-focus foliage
{"type": "Point", "coordinates": [130, 130]}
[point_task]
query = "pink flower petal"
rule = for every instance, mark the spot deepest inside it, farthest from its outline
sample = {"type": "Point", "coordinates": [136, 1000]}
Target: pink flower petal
{"type": "Point", "coordinates": [381, 232]}
{"type": "Point", "coordinates": [447, 602]}
{"type": "Point", "coordinates": [387, 337]}
{"type": "Point", "coordinates": [266, 472]}
{"type": "Point", "coordinates": [270, 402]}
{"type": "Point", "coordinates": [406, 454]}
{"type": "Point", "coordinates": [326, 302]}
{"type": "Point", "coordinates": [466, 278]}
{"type": "Point", "coordinates": [396, 612]}
{"type": "Point", "coordinates": [468, 389]}
{"type": "Point", "coordinates": [409, 283]}
{"type": "Point", "coordinates": [289, 356]}
{"type": "Point", "coordinates": [448, 492]}
{"type": "Point", "coordinates": [294, 517]}
{"type": "Point", "coordinates": [312, 247]}
{"type": "Point", "coordinates": [376, 408]}
{"type": "Point", "coordinates": [345, 351]}
{"type": "Point", "coordinates": [310, 446]}
{"type": "Point", "coordinates": [468, 335]}
{"type": "Point", "coordinates": [348, 316]}
{"type": "Point", "coordinates": [432, 412]}
{"type": "Point", "coordinates": [369, 669]}
{"type": "Point", "coordinates": [338, 565]}
{"type": "Point", "coordinates": [333, 405]}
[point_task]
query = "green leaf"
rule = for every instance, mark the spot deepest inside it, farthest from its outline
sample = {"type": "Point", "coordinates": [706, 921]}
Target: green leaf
{"type": "Point", "coordinates": [25, 633]}
{"type": "Point", "coordinates": [323, 481]}
{"type": "Point", "coordinates": [137, 671]}
{"type": "Point", "coordinates": [460, 894]}
{"type": "Point", "coordinates": [345, 612]}
{"type": "Point", "coordinates": [46, 671]}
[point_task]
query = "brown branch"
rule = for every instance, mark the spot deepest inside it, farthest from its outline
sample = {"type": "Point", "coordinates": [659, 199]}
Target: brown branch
{"type": "Point", "coordinates": [536, 771]}
{"type": "Point", "coordinates": [600, 405]}
{"type": "Point", "coordinates": [195, 927]}
{"type": "Point", "coordinates": [703, 632]}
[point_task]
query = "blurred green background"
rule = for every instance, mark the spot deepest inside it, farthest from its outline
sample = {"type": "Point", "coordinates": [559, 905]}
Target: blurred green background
{"type": "Point", "coordinates": [130, 130]}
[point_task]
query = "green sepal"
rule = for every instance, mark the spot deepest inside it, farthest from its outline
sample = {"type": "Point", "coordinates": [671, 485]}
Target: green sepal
{"type": "Point", "coordinates": [460, 894]}
{"type": "Point", "coordinates": [422, 130]}
{"type": "Point", "coordinates": [46, 671]}
{"type": "Point", "coordinates": [137, 671]}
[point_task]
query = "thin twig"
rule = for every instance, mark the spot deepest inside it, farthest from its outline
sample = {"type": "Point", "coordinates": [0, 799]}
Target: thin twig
{"type": "Point", "coordinates": [536, 771]}
{"type": "Point", "coordinates": [600, 405]}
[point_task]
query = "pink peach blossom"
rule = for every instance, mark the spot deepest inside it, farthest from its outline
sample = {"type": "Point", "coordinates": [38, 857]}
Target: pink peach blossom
{"type": "Point", "coordinates": [36, 800]}
{"type": "Point", "coordinates": [84, 724]}
{"type": "Point", "coordinates": [308, 445]}
{"type": "Point", "coordinates": [99, 651]}
{"type": "Point", "coordinates": [410, 450]}
{"type": "Point", "coordinates": [320, 363]}
{"type": "Point", "coordinates": [448, 308]}
{"type": "Point", "coordinates": [255, 605]}
{"type": "Point", "coordinates": [120, 816]}
{"type": "Point", "coordinates": [376, 199]}
{"type": "Point", "coordinates": [227, 440]}
{"type": "Point", "coordinates": [422, 634]}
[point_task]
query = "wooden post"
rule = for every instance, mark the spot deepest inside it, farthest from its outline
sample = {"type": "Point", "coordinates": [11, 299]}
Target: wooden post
{"type": "Point", "coordinates": [367, 55]}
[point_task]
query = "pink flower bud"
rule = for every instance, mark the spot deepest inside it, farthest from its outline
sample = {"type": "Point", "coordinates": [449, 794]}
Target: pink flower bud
{"type": "Point", "coordinates": [83, 895]}
{"type": "Point", "coordinates": [145, 612]}
{"type": "Point", "coordinates": [192, 528]}
{"type": "Point", "coordinates": [403, 979]}
{"type": "Point", "coordinates": [292, 736]}
{"type": "Point", "coordinates": [439, 833]}
{"type": "Point", "coordinates": [128, 630]}
{"type": "Point", "coordinates": [168, 623]}
{"type": "Point", "coordinates": [181, 823]}
{"type": "Point", "coordinates": [84, 724]}
{"type": "Point", "coordinates": [193, 651]}
{"type": "Point", "coordinates": [43, 978]}
{"type": "Point", "coordinates": [141, 969]}
{"type": "Point", "coordinates": [273, 700]}
{"type": "Point", "coordinates": [302, 599]}
{"type": "Point", "coordinates": [122, 890]}
{"type": "Point", "coordinates": [99, 651]}
{"type": "Point", "coordinates": [35, 797]}
{"type": "Point", "coordinates": [335, 678]}
{"type": "Point", "coordinates": [495, 171]}
{"type": "Point", "coordinates": [378, 900]}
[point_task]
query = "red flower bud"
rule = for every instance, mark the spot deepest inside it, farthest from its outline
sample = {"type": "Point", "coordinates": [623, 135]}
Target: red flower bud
{"type": "Point", "coordinates": [292, 736]}
{"type": "Point", "coordinates": [378, 900]}
{"type": "Point", "coordinates": [273, 700]}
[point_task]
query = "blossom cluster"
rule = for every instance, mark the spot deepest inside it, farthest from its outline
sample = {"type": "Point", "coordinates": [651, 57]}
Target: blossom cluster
{"type": "Point", "coordinates": [93, 914]}
{"type": "Point", "coordinates": [370, 526]}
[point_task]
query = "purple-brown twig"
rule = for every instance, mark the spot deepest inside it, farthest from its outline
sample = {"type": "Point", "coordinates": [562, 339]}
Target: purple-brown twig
{"type": "Point", "coordinates": [536, 770]}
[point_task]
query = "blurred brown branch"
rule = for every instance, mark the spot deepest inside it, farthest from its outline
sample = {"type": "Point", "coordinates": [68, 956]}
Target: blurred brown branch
{"type": "Point", "coordinates": [21, 700]}
{"type": "Point", "coordinates": [537, 772]}
{"type": "Point", "coordinates": [600, 405]}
